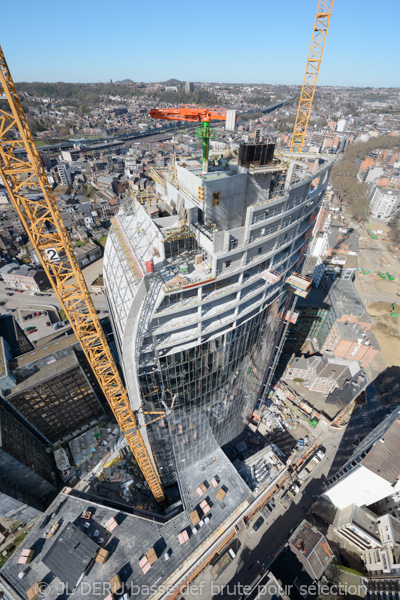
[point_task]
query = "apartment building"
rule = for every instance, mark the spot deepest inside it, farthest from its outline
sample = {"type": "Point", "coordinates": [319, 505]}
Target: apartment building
{"type": "Point", "coordinates": [26, 278]}
{"type": "Point", "coordinates": [384, 202]}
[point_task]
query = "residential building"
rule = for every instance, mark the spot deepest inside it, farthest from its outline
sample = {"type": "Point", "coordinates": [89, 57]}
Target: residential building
{"type": "Point", "coordinates": [350, 340]}
{"type": "Point", "coordinates": [194, 283]}
{"type": "Point", "coordinates": [11, 332]}
{"type": "Point", "coordinates": [384, 202]}
{"type": "Point", "coordinates": [311, 548]}
{"type": "Point", "coordinates": [322, 374]}
{"type": "Point", "coordinates": [342, 240]}
{"type": "Point", "coordinates": [314, 268]}
{"type": "Point", "coordinates": [342, 125]}
{"type": "Point", "coordinates": [189, 87]}
{"type": "Point", "coordinates": [25, 278]}
{"type": "Point", "coordinates": [3, 198]}
{"type": "Point", "coordinates": [342, 266]}
{"type": "Point", "coordinates": [375, 538]}
{"type": "Point", "coordinates": [6, 378]}
{"type": "Point", "coordinates": [64, 173]}
{"type": "Point", "coordinates": [70, 155]}
{"type": "Point", "coordinates": [88, 253]}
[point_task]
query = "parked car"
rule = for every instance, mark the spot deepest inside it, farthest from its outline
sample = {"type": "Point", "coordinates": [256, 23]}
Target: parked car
{"type": "Point", "coordinates": [258, 523]}
{"type": "Point", "coordinates": [25, 318]}
{"type": "Point", "coordinates": [37, 314]}
{"type": "Point", "coordinates": [30, 330]}
{"type": "Point", "coordinates": [48, 323]}
{"type": "Point", "coordinates": [20, 291]}
{"type": "Point", "coordinates": [43, 313]}
{"type": "Point", "coordinates": [9, 294]}
{"type": "Point", "coordinates": [8, 288]}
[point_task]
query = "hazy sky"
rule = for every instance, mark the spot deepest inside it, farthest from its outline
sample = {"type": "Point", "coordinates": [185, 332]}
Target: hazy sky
{"type": "Point", "coordinates": [263, 41]}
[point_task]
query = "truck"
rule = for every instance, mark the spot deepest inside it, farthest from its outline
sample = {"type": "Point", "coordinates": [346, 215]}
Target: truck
{"type": "Point", "coordinates": [223, 563]}
{"type": "Point", "coordinates": [287, 499]}
{"type": "Point", "coordinates": [309, 466]}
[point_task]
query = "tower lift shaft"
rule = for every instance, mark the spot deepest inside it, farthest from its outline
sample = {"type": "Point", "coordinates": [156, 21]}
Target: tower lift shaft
{"type": "Point", "coordinates": [26, 183]}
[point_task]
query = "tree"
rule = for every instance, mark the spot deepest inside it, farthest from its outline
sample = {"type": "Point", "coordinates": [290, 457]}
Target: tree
{"type": "Point", "coordinates": [344, 173]}
{"type": "Point", "coordinates": [89, 191]}
{"type": "Point", "coordinates": [394, 225]}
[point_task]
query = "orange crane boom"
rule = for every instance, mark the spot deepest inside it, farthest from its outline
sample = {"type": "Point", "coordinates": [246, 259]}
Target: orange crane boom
{"type": "Point", "coordinates": [196, 114]}
{"type": "Point", "coordinates": [23, 174]}
{"type": "Point", "coordinates": [189, 113]}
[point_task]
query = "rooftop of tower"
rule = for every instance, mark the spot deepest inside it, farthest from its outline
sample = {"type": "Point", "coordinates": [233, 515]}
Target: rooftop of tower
{"type": "Point", "coordinates": [199, 213]}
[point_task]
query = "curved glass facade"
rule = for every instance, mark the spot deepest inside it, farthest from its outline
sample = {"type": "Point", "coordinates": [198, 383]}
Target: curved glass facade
{"type": "Point", "coordinates": [221, 377]}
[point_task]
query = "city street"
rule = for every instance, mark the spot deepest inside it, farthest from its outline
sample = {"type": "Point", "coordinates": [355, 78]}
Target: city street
{"type": "Point", "coordinates": [257, 549]}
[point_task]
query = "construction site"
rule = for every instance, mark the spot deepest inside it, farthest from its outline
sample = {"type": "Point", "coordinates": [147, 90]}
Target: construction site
{"type": "Point", "coordinates": [201, 278]}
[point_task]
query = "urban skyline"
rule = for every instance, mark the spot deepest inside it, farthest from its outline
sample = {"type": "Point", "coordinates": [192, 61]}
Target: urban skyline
{"type": "Point", "coordinates": [99, 46]}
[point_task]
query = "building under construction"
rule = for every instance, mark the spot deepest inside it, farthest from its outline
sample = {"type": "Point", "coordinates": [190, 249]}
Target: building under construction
{"type": "Point", "coordinates": [196, 280]}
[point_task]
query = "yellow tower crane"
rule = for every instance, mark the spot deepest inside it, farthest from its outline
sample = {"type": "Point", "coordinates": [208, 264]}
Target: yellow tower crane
{"type": "Point", "coordinates": [23, 175]}
{"type": "Point", "coordinates": [321, 24]}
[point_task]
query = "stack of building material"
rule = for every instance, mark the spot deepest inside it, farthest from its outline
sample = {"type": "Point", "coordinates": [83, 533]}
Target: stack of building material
{"type": "Point", "coordinates": [194, 515]}
{"type": "Point", "coordinates": [35, 591]}
{"type": "Point", "coordinates": [183, 537]}
{"type": "Point", "coordinates": [111, 524]}
{"type": "Point", "coordinates": [25, 557]}
{"type": "Point", "coordinates": [115, 583]}
{"type": "Point", "coordinates": [144, 564]}
{"type": "Point", "coordinates": [201, 489]}
{"type": "Point", "coordinates": [151, 556]}
{"type": "Point", "coordinates": [220, 494]}
{"type": "Point", "coordinates": [102, 556]}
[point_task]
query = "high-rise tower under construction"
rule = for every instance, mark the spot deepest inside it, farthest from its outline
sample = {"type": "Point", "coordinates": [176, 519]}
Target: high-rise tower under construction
{"type": "Point", "coordinates": [195, 275]}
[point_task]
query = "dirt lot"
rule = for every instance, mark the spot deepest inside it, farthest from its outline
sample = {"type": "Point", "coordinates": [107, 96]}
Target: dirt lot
{"type": "Point", "coordinates": [387, 331]}
{"type": "Point", "coordinates": [378, 294]}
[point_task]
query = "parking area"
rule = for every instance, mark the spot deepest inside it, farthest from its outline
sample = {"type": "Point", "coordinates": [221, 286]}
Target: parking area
{"type": "Point", "coordinates": [40, 322]}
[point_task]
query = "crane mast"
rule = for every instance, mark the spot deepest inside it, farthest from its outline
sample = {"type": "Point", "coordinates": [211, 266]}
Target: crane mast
{"type": "Point", "coordinates": [321, 25]}
{"type": "Point", "coordinates": [23, 175]}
